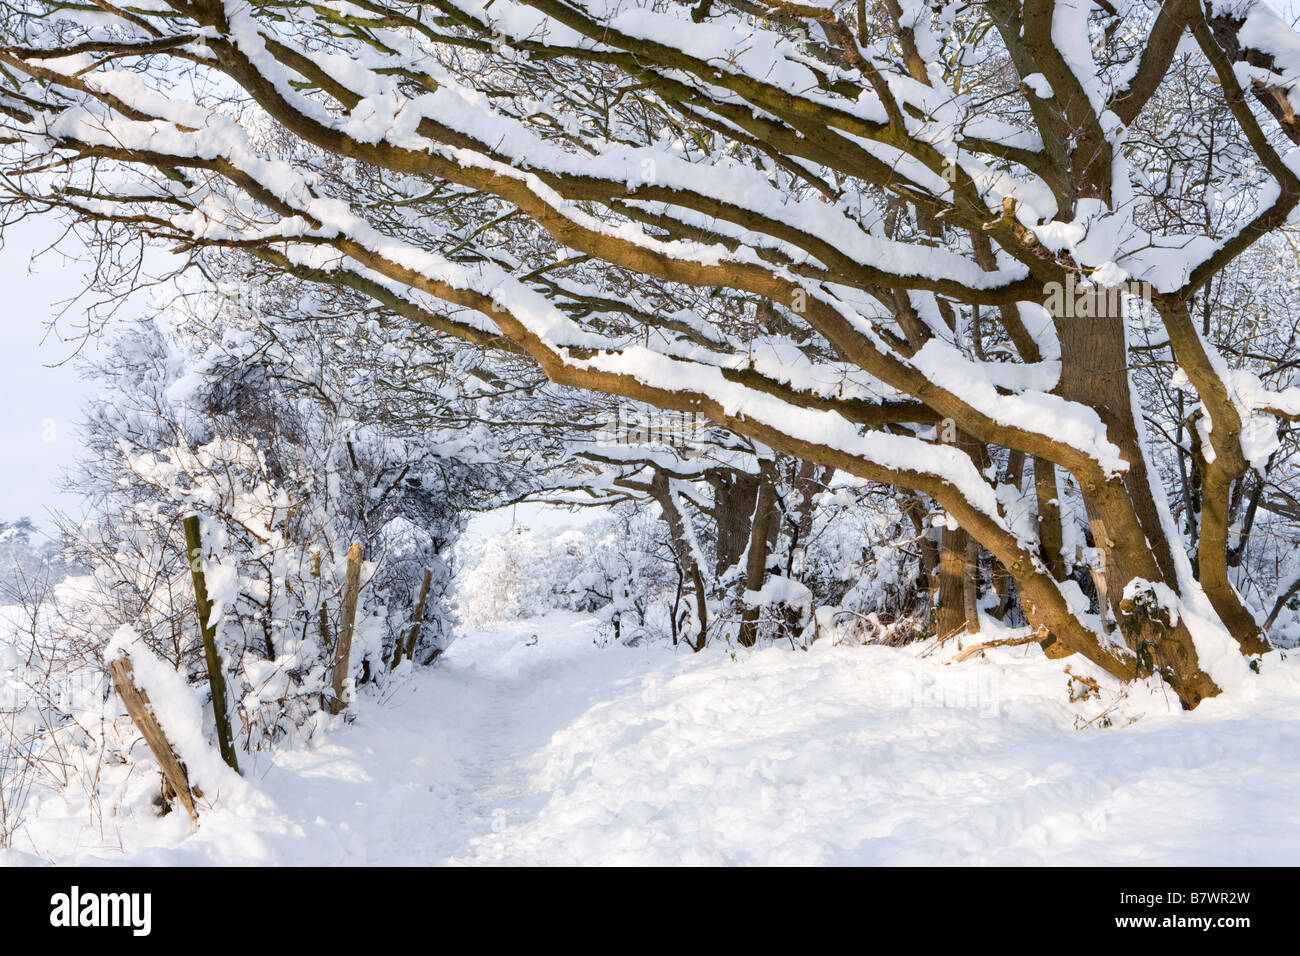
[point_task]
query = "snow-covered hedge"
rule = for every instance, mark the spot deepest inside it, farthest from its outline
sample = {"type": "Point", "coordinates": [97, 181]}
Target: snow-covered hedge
{"type": "Point", "coordinates": [286, 463]}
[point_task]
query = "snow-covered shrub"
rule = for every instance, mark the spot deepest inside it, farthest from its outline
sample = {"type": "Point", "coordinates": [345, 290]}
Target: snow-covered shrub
{"type": "Point", "coordinates": [56, 725]}
{"type": "Point", "coordinates": [630, 572]}
{"type": "Point", "coordinates": [862, 570]}
{"type": "Point", "coordinates": [264, 437]}
{"type": "Point", "coordinates": [615, 567]}
{"type": "Point", "coordinates": [523, 572]}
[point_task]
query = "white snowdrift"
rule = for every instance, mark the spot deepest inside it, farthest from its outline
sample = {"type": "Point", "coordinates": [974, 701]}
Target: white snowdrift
{"type": "Point", "coordinates": [530, 744]}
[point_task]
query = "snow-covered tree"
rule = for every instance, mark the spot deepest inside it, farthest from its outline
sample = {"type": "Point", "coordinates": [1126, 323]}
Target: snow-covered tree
{"type": "Point", "coordinates": [912, 241]}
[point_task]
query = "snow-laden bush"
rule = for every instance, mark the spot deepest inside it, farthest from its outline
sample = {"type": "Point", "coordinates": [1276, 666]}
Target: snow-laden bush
{"type": "Point", "coordinates": [523, 572]}
{"type": "Point", "coordinates": [615, 567]}
{"type": "Point", "coordinates": [57, 725]}
{"type": "Point", "coordinates": [862, 571]}
{"type": "Point", "coordinates": [285, 470]}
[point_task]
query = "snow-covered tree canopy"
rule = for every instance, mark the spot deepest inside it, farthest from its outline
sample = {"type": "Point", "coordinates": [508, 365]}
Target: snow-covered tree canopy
{"type": "Point", "coordinates": [891, 237]}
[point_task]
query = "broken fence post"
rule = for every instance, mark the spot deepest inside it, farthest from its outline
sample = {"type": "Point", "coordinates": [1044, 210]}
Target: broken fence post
{"type": "Point", "coordinates": [137, 705]}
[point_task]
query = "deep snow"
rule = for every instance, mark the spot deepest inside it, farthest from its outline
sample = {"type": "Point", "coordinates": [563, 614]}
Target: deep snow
{"type": "Point", "coordinates": [528, 743]}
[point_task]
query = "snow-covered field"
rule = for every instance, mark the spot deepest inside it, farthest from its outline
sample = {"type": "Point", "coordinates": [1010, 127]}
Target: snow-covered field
{"type": "Point", "coordinates": [530, 744]}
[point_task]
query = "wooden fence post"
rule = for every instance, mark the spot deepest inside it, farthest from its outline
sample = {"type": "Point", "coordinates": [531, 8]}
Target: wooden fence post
{"type": "Point", "coordinates": [415, 626]}
{"type": "Point", "coordinates": [216, 680]}
{"type": "Point", "coordinates": [348, 615]}
{"type": "Point", "coordinates": [137, 705]}
{"type": "Point", "coordinates": [322, 613]}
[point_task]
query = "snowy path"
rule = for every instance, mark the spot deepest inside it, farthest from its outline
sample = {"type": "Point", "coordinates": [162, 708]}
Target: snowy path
{"type": "Point", "coordinates": [556, 751]}
{"type": "Point", "coordinates": [447, 760]}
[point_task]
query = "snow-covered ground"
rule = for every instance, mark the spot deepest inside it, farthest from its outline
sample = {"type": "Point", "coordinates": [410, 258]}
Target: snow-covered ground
{"type": "Point", "coordinates": [528, 743]}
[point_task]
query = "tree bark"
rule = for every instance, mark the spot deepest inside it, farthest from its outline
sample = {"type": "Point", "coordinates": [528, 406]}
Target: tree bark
{"type": "Point", "coordinates": [764, 522]}
{"type": "Point", "coordinates": [661, 490]}
{"type": "Point", "coordinates": [734, 496]}
{"type": "Point", "coordinates": [1050, 535]}
{"type": "Point", "coordinates": [970, 586]}
{"type": "Point", "coordinates": [950, 616]}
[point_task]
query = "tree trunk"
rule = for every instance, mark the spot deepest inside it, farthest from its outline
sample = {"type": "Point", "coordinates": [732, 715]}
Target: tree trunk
{"type": "Point", "coordinates": [970, 586]}
{"type": "Point", "coordinates": [950, 616]}
{"type": "Point", "coordinates": [734, 496]}
{"type": "Point", "coordinates": [1094, 372]}
{"type": "Point", "coordinates": [1213, 566]}
{"type": "Point", "coordinates": [1122, 510]}
{"type": "Point", "coordinates": [958, 577]}
{"type": "Point", "coordinates": [927, 552]}
{"type": "Point", "coordinates": [661, 490]}
{"type": "Point", "coordinates": [765, 521]}
{"type": "Point", "coordinates": [1050, 536]}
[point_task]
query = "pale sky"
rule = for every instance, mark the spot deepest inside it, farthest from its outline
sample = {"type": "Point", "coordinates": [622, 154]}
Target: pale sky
{"type": "Point", "coordinates": [40, 399]}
